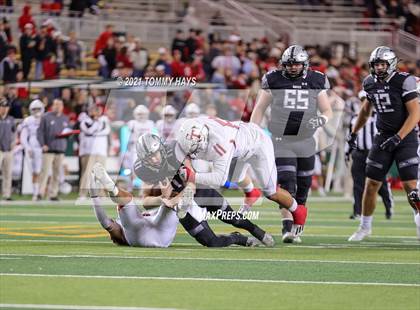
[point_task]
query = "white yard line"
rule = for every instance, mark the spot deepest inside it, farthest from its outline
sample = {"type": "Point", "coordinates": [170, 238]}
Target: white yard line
{"type": "Point", "coordinates": [75, 307]}
{"type": "Point", "coordinates": [208, 279]}
{"type": "Point", "coordinates": [269, 260]}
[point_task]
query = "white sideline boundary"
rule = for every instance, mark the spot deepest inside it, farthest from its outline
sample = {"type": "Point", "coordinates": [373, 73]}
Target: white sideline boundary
{"type": "Point", "coordinates": [208, 279]}
{"type": "Point", "coordinates": [75, 307]}
{"type": "Point", "coordinates": [268, 260]}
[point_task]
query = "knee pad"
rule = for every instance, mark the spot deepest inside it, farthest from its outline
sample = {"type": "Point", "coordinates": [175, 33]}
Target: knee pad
{"type": "Point", "coordinates": [287, 181]}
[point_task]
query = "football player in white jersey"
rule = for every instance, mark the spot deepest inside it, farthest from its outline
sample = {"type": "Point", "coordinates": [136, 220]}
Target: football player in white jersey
{"type": "Point", "coordinates": [138, 126]}
{"type": "Point", "coordinates": [156, 228]}
{"type": "Point", "coordinates": [28, 138]}
{"type": "Point", "coordinates": [219, 141]}
{"type": "Point", "coordinates": [166, 125]}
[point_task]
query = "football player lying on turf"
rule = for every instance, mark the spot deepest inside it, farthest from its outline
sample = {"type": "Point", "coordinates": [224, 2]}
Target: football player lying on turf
{"type": "Point", "coordinates": [157, 163]}
{"type": "Point", "coordinates": [158, 228]}
{"type": "Point", "coordinates": [219, 141]}
{"type": "Point", "coordinates": [132, 227]}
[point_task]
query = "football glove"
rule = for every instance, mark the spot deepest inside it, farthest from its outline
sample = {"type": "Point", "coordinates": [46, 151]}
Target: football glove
{"type": "Point", "coordinates": [187, 174]}
{"type": "Point", "coordinates": [316, 122]}
{"type": "Point", "coordinates": [391, 144]}
{"type": "Point", "coordinates": [351, 140]}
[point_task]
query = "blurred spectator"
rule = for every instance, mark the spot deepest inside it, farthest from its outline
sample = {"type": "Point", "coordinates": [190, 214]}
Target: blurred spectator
{"type": "Point", "coordinates": [195, 68]}
{"type": "Point", "coordinates": [45, 47]}
{"type": "Point", "coordinates": [3, 43]}
{"type": "Point", "coordinates": [124, 58]}
{"type": "Point", "coordinates": [7, 143]}
{"type": "Point", "coordinates": [52, 7]}
{"type": "Point", "coordinates": [72, 52]}
{"type": "Point", "coordinates": [15, 104]}
{"type": "Point", "coordinates": [94, 132]}
{"type": "Point", "coordinates": [27, 46]}
{"type": "Point", "coordinates": [179, 44]}
{"type": "Point", "coordinates": [227, 61]}
{"type": "Point", "coordinates": [103, 40]}
{"type": "Point", "coordinates": [163, 60]}
{"type": "Point", "coordinates": [52, 125]}
{"type": "Point", "coordinates": [9, 67]}
{"type": "Point", "coordinates": [50, 67]}
{"type": "Point", "coordinates": [108, 58]}
{"type": "Point", "coordinates": [6, 6]}
{"type": "Point", "coordinates": [200, 40]}
{"type": "Point", "coordinates": [166, 125]}
{"type": "Point", "coordinates": [26, 18]}
{"type": "Point", "coordinates": [217, 19]}
{"type": "Point", "coordinates": [77, 8]}
{"type": "Point", "coordinates": [191, 43]}
{"type": "Point", "coordinates": [6, 29]}
{"type": "Point", "coordinates": [177, 65]}
{"type": "Point", "coordinates": [139, 56]}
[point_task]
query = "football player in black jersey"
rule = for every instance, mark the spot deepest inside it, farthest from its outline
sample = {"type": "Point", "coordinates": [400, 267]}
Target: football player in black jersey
{"type": "Point", "coordinates": [299, 106]}
{"type": "Point", "coordinates": [393, 96]}
{"type": "Point", "coordinates": [157, 166]}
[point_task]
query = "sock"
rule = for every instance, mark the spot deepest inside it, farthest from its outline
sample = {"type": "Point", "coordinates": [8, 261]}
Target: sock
{"type": "Point", "coordinates": [248, 188]}
{"type": "Point", "coordinates": [417, 219]}
{"type": "Point", "coordinates": [36, 189]}
{"type": "Point", "coordinates": [294, 206]}
{"type": "Point", "coordinates": [366, 222]}
{"type": "Point", "coordinates": [287, 225]}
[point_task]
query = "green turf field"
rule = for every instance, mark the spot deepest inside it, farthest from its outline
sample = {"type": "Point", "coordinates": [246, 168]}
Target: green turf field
{"type": "Point", "coordinates": [58, 257]}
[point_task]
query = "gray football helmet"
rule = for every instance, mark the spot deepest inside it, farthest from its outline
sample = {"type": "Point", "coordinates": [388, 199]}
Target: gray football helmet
{"type": "Point", "coordinates": [292, 55]}
{"type": "Point", "coordinates": [147, 145]}
{"type": "Point", "coordinates": [386, 54]}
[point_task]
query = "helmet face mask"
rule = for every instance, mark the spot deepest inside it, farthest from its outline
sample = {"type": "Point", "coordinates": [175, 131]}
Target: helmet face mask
{"type": "Point", "coordinates": [150, 150]}
{"type": "Point", "coordinates": [193, 138]}
{"type": "Point", "coordinates": [295, 62]}
{"type": "Point", "coordinates": [382, 62]}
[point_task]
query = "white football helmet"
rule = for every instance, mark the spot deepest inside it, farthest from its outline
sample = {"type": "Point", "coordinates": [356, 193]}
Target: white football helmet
{"type": "Point", "coordinates": [36, 108]}
{"type": "Point", "coordinates": [169, 113]}
{"type": "Point", "coordinates": [141, 113]}
{"type": "Point", "coordinates": [383, 53]}
{"type": "Point", "coordinates": [192, 110]}
{"type": "Point", "coordinates": [193, 137]}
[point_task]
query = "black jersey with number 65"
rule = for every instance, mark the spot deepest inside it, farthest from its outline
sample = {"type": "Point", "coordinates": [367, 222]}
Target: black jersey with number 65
{"type": "Point", "coordinates": [389, 98]}
{"type": "Point", "coordinates": [295, 102]}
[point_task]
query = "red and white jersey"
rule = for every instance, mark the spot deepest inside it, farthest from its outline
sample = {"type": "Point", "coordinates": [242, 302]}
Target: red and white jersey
{"type": "Point", "coordinates": [137, 129]}
{"type": "Point", "coordinates": [227, 140]}
{"type": "Point", "coordinates": [28, 135]}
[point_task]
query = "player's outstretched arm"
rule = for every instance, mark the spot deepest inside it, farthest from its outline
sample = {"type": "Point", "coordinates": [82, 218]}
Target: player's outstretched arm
{"type": "Point", "coordinates": [362, 118]}
{"type": "Point", "coordinates": [324, 105]}
{"type": "Point", "coordinates": [263, 101]}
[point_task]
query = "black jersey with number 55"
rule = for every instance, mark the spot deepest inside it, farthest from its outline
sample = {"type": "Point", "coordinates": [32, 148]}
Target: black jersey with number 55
{"type": "Point", "coordinates": [389, 98]}
{"type": "Point", "coordinates": [295, 102]}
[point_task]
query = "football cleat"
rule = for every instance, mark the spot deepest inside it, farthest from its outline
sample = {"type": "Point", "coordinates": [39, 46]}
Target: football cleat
{"type": "Point", "coordinates": [103, 177]}
{"type": "Point", "coordinates": [268, 240]}
{"type": "Point", "coordinates": [297, 240]}
{"type": "Point", "coordinates": [252, 242]}
{"type": "Point", "coordinates": [94, 186]}
{"type": "Point", "coordinates": [360, 234]}
{"type": "Point", "coordinates": [288, 237]}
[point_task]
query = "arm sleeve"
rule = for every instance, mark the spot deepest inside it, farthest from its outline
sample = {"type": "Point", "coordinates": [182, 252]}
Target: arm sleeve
{"type": "Point", "coordinates": [89, 127]}
{"type": "Point", "coordinates": [409, 89]}
{"type": "Point", "coordinates": [219, 175]}
{"type": "Point", "coordinates": [100, 213]}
